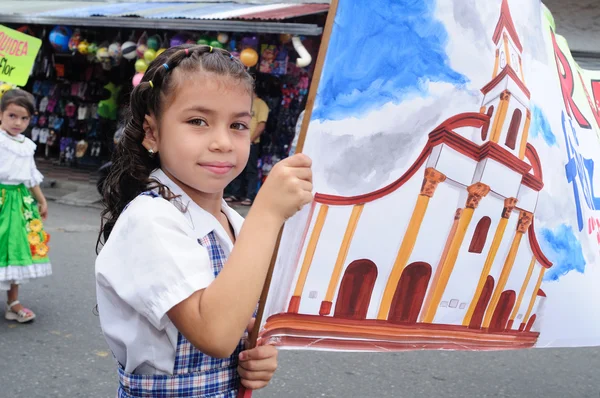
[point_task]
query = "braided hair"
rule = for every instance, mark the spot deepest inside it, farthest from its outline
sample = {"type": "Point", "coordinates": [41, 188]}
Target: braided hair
{"type": "Point", "coordinates": [132, 164]}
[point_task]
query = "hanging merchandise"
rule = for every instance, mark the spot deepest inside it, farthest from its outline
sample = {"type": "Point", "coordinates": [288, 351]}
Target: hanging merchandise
{"type": "Point", "coordinates": [141, 66]}
{"type": "Point", "coordinates": [304, 57]}
{"type": "Point", "coordinates": [223, 38]}
{"type": "Point", "coordinates": [249, 57]}
{"type": "Point", "coordinates": [216, 44]}
{"type": "Point", "coordinates": [178, 40]}
{"type": "Point", "coordinates": [137, 79]}
{"type": "Point", "coordinates": [149, 56]}
{"type": "Point", "coordinates": [153, 42]}
{"type": "Point", "coordinates": [285, 38]}
{"type": "Point", "coordinates": [141, 45]}
{"type": "Point", "coordinates": [83, 47]}
{"type": "Point", "coordinates": [59, 38]}
{"type": "Point", "coordinates": [74, 41]}
{"type": "Point", "coordinates": [274, 59]}
{"type": "Point", "coordinates": [129, 50]}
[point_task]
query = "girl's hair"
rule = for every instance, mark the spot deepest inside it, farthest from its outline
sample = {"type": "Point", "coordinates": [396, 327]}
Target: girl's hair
{"type": "Point", "coordinates": [18, 97]}
{"type": "Point", "coordinates": [132, 164]}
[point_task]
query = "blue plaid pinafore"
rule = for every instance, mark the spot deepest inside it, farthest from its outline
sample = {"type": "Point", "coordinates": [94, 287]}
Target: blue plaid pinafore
{"type": "Point", "coordinates": [195, 374]}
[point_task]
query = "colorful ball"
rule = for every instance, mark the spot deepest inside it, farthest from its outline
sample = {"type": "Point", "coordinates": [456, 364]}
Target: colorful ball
{"type": "Point", "coordinates": [285, 38]}
{"type": "Point", "coordinates": [128, 49]}
{"type": "Point", "coordinates": [249, 57]}
{"type": "Point", "coordinates": [59, 38]}
{"type": "Point", "coordinates": [141, 49]}
{"type": "Point", "coordinates": [216, 44]}
{"type": "Point", "coordinates": [149, 55]}
{"type": "Point", "coordinates": [203, 41]}
{"type": "Point", "coordinates": [137, 79]}
{"type": "Point", "coordinates": [141, 66]}
{"type": "Point", "coordinates": [102, 54]}
{"type": "Point", "coordinates": [83, 47]}
{"type": "Point", "coordinates": [153, 42]}
{"type": "Point", "coordinates": [114, 51]}
{"type": "Point", "coordinates": [223, 38]}
{"type": "Point", "coordinates": [92, 48]}
{"type": "Point", "coordinates": [178, 40]}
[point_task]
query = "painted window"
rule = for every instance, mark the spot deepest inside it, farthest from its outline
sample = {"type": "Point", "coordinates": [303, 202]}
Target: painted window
{"type": "Point", "coordinates": [486, 128]}
{"type": "Point", "coordinates": [513, 129]}
{"type": "Point", "coordinates": [480, 235]}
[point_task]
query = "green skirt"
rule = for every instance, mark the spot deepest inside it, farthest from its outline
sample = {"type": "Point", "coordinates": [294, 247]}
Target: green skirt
{"type": "Point", "coordinates": [23, 241]}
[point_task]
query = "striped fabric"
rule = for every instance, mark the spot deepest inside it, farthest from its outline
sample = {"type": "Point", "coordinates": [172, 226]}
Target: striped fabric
{"type": "Point", "coordinates": [195, 374]}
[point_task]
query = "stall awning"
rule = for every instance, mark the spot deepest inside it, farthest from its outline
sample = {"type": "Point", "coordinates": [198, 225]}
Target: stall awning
{"type": "Point", "coordinates": [225, 16]}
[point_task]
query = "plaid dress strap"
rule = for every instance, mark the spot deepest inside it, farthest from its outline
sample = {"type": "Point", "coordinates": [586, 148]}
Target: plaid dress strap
{"type": "Point", "coordinates": [195, 374]}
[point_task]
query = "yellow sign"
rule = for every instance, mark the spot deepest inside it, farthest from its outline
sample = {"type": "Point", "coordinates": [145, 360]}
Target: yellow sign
{"type": "Point", "coordinates": [17, 55]}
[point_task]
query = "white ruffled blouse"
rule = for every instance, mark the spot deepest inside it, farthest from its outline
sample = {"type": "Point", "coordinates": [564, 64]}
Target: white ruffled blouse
{"type": "Point", "coordinates": [17, 165]}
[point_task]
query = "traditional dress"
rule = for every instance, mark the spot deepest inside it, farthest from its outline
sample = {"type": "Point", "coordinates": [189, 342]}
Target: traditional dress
{"type": "Point", "coordinates": [158, 254]}
{"type": "Point", "coordinates": [23, 241]}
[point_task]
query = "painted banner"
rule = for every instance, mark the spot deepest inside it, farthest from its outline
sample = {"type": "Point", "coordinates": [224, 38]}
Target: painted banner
{"type": "Point", "coordinates": [454, 145]}
{"type": "Point", "coordinates": [17, 55]}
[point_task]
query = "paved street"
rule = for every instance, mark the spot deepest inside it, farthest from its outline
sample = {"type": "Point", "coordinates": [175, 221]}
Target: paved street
{"type": "Point", "coordinates": [63, 354]}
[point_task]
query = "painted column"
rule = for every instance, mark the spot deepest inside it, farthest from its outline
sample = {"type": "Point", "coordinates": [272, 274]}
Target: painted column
{"type": "Point", "coordinates": [509, 205]}
{"type": "Point", "coordinates": [525, 136]}
{"type": "Point", "coordinates": [515, 311]}
{"type": "Point", "coordinates": [533, 297]}
{"type": "Point", "coordinates": [308, 258]}
{"type": "Point", "coordinates": [438, 270]}
{"type": "Point", "coordinates": [476, 193]}
{"type": "Point", "coordinates": [496, 64]}
{"type": "Point", "coordinates": [341, 259]}
{"type": "Point", "coordinates": [430, 182]}
{"type": "Point", "coordinates": [500, 116]}
{"type": "Point", "coordinates": [525, 219]}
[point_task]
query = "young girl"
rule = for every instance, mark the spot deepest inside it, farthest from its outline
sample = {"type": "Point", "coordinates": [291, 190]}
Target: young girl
{"type": "Point", "coordinates": [175, 295]}
{"type": "Point", "coordinates": [23, 241]}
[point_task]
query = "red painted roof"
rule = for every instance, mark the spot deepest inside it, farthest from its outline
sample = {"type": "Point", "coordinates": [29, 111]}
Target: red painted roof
{"type": "Point", "coordinates": [507, 71]}
{"type": "Point", "coordinates": [444, 134]}
{"type": "Point", "coordinates": [289, 12]}
{"type": "Point", "coordinates": [506, 21]}
{"type": "Point", "coordinates": [541, 293]}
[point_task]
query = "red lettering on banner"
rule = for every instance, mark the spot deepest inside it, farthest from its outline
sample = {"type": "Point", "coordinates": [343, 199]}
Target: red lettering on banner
{"type": "Point", "coordinates": [567, 84]}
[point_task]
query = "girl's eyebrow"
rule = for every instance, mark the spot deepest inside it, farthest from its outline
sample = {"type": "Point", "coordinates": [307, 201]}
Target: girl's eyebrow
{"type": "Point", "coordinates": [212, 111]}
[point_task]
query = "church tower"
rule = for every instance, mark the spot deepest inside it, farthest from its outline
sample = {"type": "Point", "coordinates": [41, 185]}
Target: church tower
{"type": "Point", "coordinates": [507, 98]}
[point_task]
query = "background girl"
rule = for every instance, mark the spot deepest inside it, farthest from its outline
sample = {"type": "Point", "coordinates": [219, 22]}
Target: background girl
{"type": "Point", "coordinates": [23, 241]}
{"type": "Point", "coordinates": [175, 295]}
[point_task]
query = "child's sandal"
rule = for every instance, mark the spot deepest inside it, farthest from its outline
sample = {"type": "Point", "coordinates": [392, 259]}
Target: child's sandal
{"type": "Point", "coordinates": [23, 316]}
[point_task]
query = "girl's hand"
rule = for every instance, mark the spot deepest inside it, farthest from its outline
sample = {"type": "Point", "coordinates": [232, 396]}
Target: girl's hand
{"type": "Point", "coordinates": [287, 188]}
{"type": "Point", "coordinates": [257, 366]}
{"type": "Point", "coordinates": [43, 207]}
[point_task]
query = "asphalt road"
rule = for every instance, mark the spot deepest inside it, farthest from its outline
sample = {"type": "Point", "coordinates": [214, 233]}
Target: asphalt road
{"type": "Point", "coordinates": [63, 353]}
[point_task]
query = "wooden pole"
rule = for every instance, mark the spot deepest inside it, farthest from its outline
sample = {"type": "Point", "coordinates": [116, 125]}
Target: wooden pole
{"type": "Point", "coordinates": [310, 102]}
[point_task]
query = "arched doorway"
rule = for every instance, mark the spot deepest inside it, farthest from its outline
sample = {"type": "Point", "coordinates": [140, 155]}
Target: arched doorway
{"type": "Point", "coordinates": [482, 303]}
{"type": "Point", "coordinates": [513, 129]}
{"type": "Point", "coordinates": [355, 291]}
{"type": "Point", "coordinates": [530, 323]}
{"type": "Point", "coordinates": [486, 127]}
{"type": "Point", "coordinates": [503, 310]}
{"type": "Point", "coordinates": [410, 293]}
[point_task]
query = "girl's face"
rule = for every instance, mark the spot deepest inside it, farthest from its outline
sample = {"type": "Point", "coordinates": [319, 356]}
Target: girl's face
{"type": "Point", "coordinates": [14, 119]}
{"type": "Point", "coordinates": [202, 136]}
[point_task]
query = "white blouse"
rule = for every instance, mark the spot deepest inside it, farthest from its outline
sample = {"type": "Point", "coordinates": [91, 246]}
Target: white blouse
{"type": "Point", "coordinates": [17, 165]}
{"type": "Point", "coordinates": [151, 262]}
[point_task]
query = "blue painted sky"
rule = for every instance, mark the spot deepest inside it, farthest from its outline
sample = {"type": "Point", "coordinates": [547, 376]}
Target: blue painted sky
{"type": "Point", "coordinates": [541, 127]}
{"type": "Point", "coordinates": [562, 247]}
{"type": "Point", "coordinates": [382, 51]}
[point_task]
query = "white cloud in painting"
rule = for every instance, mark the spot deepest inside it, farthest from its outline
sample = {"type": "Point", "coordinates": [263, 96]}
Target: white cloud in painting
{"type": "Point", "coordinates": [377, 149]}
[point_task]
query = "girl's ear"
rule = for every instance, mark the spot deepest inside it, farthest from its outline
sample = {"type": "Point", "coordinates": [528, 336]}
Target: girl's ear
{"type": "Point", "coordinates": [150, 127]}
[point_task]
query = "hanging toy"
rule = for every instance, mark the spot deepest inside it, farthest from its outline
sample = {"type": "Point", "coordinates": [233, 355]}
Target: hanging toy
{"type": "Point", "coordinates": [137, 79]}
{"type": "Point", "coordinates": [102, 55]}
{"type": "Point", "coordinates": [83, 47]}
{"type": "Point", "coordinates": [203, 41]}
{"type": "Point", "coordinates": [128, 50]}
{"type": "Point", "coordinates": [115, 52]}
{"type": "Point", "coordinates": [59, 38]}
{"type": "Point", "coordinates": [141, 66]}
{"type": "Point", "coordinates": [216, 44]}
{"type": "Point", "coordinates": [249, 57]}
{"type": "Point", "coordinates": [153, 42]}
{"type": "Point", "coordinates": [178, 40]}
{"type": "Point", "coordinates": [74, 41]}
{"type": "Point", "coordinates": [149, 55]}
{"type": "Point", "coordinates": [141, 45]}
{"type": "Point", "coordinates": [92, 48]}
{"type": "Point", "coordinates": [304, 58]}
{"type": "Point", "coordinates": [250, 42]}
{"type": "Point", "coordinates": [223, 38]}
{"type": "Point", "coordinates": [285, 38]}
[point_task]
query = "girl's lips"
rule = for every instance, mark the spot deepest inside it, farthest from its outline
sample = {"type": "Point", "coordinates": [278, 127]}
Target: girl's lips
{"type": "Point", "coordinates": [218, 168]}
